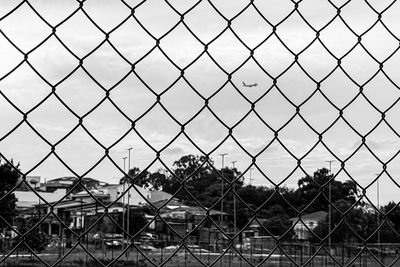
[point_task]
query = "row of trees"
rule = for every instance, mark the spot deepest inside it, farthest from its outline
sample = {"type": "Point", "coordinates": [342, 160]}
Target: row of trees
{"type": "Point", "coordinates": [196, 181]}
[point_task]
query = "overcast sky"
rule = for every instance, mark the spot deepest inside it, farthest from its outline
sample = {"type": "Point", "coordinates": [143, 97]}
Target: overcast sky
{"type": "Point", "coordinates": [25, 88]}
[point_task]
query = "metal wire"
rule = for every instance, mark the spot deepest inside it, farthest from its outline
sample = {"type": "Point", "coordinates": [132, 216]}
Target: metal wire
{"type": "Point", "coordinates": [230, 130]}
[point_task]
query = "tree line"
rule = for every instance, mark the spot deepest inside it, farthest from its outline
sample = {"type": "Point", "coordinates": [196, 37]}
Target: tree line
{"type": "Point", "coordinates": [195, 181]}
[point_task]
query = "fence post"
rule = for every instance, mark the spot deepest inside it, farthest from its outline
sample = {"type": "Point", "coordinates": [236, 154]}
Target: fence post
{"type": "Point", "coordinates": [342, 254]}
{"type": "Point", "coordinates": [251, 252]}
{"type": "Point", "coordinates": [301, 253]}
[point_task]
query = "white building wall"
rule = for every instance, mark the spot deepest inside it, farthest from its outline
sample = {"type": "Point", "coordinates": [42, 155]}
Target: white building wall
{"type": "Point", "coordinates": [137, 195]}
{"type": "Point", "coordinates": [156, 196]}
{"type": "Point", "coordinates": [301, 230]}
{"type": "Point", "coordinates": [134, 197]}
{"type": "Point", "coordinates": [26, 199]}
{"type": "Point", "coordinates": [111, 191]}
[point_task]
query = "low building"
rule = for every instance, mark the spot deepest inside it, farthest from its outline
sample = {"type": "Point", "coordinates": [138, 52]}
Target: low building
{"type": "Point", "coordinates": [68, 182]}
{"type": "Point", "coordinates": [156, 196]}
{"type": "Point", "coordinates": [177, 220]}
{"type": "Point", "coordinates": [91, 196]}
{"type": "Point", "coordinates": [135, 195]}
{"type": "Point", "coordinates": [30, 182]}
{"type": "Point", "coordinates": [66, 211]}
{"type": "Point", "coordinates": [255, 228]}
{"type": "Point", "coordinates": [72, 211]}
{"type": "Point", "coordinates": [28, 199]}
{"type": "Point", "coordinates": [308, 222]}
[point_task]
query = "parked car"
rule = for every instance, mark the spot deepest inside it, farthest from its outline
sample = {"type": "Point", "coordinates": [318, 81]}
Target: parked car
{"type": "Point", "coordinates": [113, 240]}
{"type": "Point", "coordinates": [171, 248]}
{"type": "Point", "coordinates": [197, 249]}
{"type": "Point", "coordinates": [147, 247]}
{"type": "Point", "coordinates": [148, 238]}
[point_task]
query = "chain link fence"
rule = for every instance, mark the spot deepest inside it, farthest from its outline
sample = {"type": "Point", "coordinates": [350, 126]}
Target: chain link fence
{"type": "Point", "coordinates": [285, 87]}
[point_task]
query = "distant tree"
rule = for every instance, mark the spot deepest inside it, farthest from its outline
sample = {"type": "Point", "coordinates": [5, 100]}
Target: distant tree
{"type": "Point", "coordinates": [138, 177]}
{"type": "Point", "coordinates": [311, 187]}
{"type": "Point", "coordinates": [255, 196]}
{"type": "Point", "coordinates": [36, 239]}
{"type": "Point", "coordinates": [137, 219]}
{"type": "Point", "coordinates": [278, 222]}
{"type": "Point", "coordinates": [354, 224]}
{"type": "Point", "coordinates": [191, 165]}
{"type": "Point", "coordinates": [8, 179]}
{"type": "Point", "coordinates": [268, 197]}
{"type": "Point", "coordinates": [198, 174]}
{"type": "Point", "coordinates": [196, 170]}
{"type": "Point", "coordinates": [192, 175]}
{"type": "Point", "coordinates": [158, 179]}
{"type": "Point", "coordinates": [393, 214]}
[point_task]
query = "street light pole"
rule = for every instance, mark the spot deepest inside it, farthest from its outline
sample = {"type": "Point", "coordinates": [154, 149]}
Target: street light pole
{"type": "Point", "coordinates": [222, 187]}
{"type": "Point", "coordinates": [123, 205]}
{"type": "Point", "coordinates": [234, 197]}
{"type": "Point", "coordinates": [129, 195]}
{"type": "Point", "coordinates": [251, 179]}
{"type": "Point", "coordinates": [330, 205]}
{"type": "Point", "coordinates": [378, 217]}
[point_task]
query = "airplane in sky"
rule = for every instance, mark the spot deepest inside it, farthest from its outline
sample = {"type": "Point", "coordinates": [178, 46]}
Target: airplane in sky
{"type": "Point", "coordinates": [249, 85]}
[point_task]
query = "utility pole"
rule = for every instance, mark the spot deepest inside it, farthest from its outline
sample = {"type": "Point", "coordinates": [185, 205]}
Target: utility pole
{"type": "Point", "coordinates": [330, 206]}
{"type": "Point", "coordinates": [222, 186]}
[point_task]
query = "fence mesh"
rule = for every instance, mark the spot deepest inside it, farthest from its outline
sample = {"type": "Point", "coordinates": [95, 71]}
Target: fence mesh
{"type": "Point", "coordinates": [350, 46]}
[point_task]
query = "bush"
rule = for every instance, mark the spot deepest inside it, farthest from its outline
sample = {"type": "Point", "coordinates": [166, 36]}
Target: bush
{"type": "Point", "coordinates": [36, 239]}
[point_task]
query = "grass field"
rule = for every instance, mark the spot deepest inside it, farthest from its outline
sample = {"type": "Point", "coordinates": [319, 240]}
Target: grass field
{"type": "Point", "coordinates": [78, 257]}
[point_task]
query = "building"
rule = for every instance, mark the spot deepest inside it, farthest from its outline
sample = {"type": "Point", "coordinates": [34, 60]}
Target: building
{"type": "Point", "coordinates": [157, 196]}
{"type": "Point", "coordinates": [255, 228]}
{"type": "Point", "coordinates": [28, 199]}
{"type": "Point", "coordinates": [308, 222]}
{"type": "Point", "coordinates": [72, 211]}
{"type": "Point", "coordinates": [66, 214]}
{"type": "Point", "coordinates": [77, 210]}
{"type": "Point", "coordinates": [177, 220]}
{"type": "Point", "coordinates": [30, 182]}
{"type": "Point", "coordinates": [68, 182]}
{"type": "Point", "coordinates": [134, 196]}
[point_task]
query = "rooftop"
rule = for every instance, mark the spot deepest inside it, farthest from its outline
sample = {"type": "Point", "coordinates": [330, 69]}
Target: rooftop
{"type": "Point", "coordinates": [314, 216]}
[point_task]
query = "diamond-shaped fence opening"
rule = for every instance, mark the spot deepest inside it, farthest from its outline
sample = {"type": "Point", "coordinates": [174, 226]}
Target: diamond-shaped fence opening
{"type": "Point", "coordinates": [204, 133]}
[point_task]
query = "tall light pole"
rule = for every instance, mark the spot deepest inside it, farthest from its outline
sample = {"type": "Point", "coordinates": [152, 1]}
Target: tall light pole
{"type": "Point", "coordinates": [123, 205]}
{"type": "Point", "coordinates": [330, 205]}
{"type": "Point", "coordinates": [222, 186]}
{"type": "Point", "coordinates": [129, 195]}
{"type": "Point", "coordinates": [234, 196]}
{"type": "Point", "coordinates": [251, 179]}
{"type": "Point", "coordinates": [378, 217]}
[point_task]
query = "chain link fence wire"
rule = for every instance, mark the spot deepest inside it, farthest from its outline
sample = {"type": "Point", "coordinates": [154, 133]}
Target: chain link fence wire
{"type": "Point", "coordinates": [364, 38]}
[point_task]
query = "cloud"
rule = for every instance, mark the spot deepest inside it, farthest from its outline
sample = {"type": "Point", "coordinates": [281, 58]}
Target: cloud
{"type": "Point", "coordinates": [382, 145]}
{"type": "Point", "coordinates": [174, 151]}
{"type": "Point", "coordinates": [107, 124]}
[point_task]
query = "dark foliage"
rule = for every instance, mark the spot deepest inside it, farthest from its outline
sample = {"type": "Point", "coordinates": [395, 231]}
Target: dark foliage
{"type": "Point", "coordinates": [8, 179]}
{"type": "Point", "coordinates": [315, 190]}
{"type": "Point", "coordinates": [35, 239]}
{"type": "Point", "coordinates": [351, 220]}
